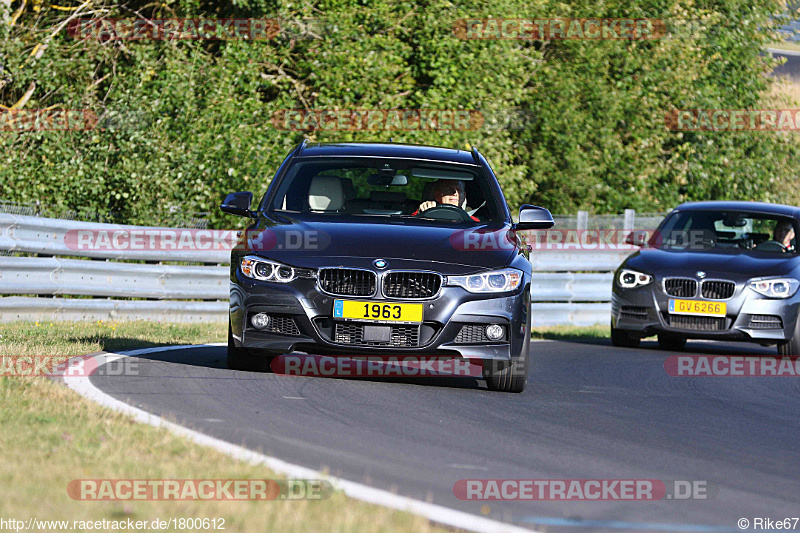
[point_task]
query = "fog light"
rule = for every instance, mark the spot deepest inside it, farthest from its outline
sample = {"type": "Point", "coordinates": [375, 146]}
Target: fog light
{"type": "Point", "coordinates": [260, 320]}
{"type": "Point", "coordinates": [495, 332]}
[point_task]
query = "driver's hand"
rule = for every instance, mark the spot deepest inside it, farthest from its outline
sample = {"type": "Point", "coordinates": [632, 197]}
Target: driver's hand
{"type": "Point", "coordinates": [424, 206]}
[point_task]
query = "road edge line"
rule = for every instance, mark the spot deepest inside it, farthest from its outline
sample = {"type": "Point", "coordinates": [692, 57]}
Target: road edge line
{"type": "Point", "coordinates": [433, 512]}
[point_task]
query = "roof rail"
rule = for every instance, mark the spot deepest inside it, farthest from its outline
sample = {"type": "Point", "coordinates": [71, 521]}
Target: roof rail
{"type": "Point", "coordinates": [476, 156]}
{"type": "Point", "coordinates": [301, 147]}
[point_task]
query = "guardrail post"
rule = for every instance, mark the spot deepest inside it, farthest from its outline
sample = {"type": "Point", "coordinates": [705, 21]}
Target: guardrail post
{"type": "Point", "coordinates": [630, 220]}
{"type": "Point", "coordinates": [583, 220]}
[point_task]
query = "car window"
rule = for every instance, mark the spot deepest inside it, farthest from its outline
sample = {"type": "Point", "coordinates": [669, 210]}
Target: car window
{"type": "Point", "coordinates": [727, 230]}
{"type": "Point", "coordinates": [377, 187]}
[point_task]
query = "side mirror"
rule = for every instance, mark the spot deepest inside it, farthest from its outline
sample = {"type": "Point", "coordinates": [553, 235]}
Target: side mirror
{"type": "Point", "coordinates": [533, 217]}
{"type": "Point", "coordinates": [637, 238]}
{"type": "Point", "coordinates": [238, 203]}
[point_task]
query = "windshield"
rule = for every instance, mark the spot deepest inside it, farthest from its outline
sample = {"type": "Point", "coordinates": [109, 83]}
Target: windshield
{"type": "Point", "coordinates": [726, 230]}
{"type": "Point", "coordinates": [377, 188]}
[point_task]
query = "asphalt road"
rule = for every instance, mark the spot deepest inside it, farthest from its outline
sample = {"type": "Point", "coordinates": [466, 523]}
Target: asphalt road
{"type": "Point", "coordinates": [591, 411]}
{"type": "Point", "coordinates": [789, 69]}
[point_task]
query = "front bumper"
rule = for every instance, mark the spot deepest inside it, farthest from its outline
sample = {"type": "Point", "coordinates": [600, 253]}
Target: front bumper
{"type": "Point", "coordinates": [307, 325]}
{"type": "Point", "coordinates": [750, 317]}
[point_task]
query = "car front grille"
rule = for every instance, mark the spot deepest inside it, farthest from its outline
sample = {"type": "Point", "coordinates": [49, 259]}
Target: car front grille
{"type": "Point", "coordinates": [717, 290]}
{"type": "Point", "coordinates": [283, 324]}
{"type": "Point", "coordinates": [347, 281]}
{"type": "Point", "coordinates": [697, 323]}
{"type": "Point", "coordinates": [680, 287]}
{"type": "Point", "coordinates": [471, 334]}
{"type": "Point", "coordinates": [353, 334]}
{"type": "Point", "coordinates": [633, 312]}
{"type": "Point", "coordinates": [411, 284]}
{"type": "Point", "coordinates": [765, 322]}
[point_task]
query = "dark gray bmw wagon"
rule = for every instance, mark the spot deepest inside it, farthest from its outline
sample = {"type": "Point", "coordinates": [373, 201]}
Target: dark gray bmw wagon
{"type": "Point", "coordinates": [713, 270]}
{"type": "Point", "coordinates": [383, 249]}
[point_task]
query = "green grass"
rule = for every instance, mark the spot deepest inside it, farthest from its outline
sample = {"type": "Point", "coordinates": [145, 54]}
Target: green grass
{"type": "Point", "coordinates": [784, 46]}
{"type": "Point", "coordinates": [572, 333]}
{"type": "Point", "coordinates": [50, 435]}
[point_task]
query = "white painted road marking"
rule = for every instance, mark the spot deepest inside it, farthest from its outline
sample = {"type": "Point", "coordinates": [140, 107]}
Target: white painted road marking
{"type": "Point", "coordinates": [435, 513]}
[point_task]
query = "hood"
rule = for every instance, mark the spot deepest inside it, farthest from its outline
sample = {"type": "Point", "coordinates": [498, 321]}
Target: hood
{"type": "Point", "coordinates": [406, 243]}
{"type": "Point", "coordinates": [726, 264]}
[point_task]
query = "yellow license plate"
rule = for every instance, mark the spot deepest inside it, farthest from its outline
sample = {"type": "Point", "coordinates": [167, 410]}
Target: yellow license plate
{"type": "Point", "coordinates": [694, 307]}
{"type": "Point", "coordinates": [377, 311]}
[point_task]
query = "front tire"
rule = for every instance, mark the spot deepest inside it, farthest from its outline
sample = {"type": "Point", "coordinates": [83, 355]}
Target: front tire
{"type": "Point", "coordinates": [245, 359]}
{"type": "Point", "coordinates": [503, 376]}
{"type": "Point", "coordinates": [622, 339]}
{"type": "Point", "coordinates": [792, 346]}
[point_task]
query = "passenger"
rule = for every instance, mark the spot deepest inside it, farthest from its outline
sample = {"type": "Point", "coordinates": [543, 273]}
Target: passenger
{"type": "Point", "coordinates": [784, 233]}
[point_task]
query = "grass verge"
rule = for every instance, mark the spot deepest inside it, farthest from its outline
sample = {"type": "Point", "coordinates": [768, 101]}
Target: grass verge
{"type": "Point", "coordinates": [51, 435]}
{"type": "Point", "coordinates": [572, 333]}
{"type": "Point", "coordinates": [784, 45]}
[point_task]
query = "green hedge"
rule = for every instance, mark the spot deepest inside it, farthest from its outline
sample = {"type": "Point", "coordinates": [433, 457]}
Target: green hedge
{"type": "Point", "coordinates": [593, 138]}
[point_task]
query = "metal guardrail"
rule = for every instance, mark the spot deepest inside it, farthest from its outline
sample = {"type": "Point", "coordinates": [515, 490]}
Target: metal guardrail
{"type": "Point", "coordinates": [15, 308]}
{"type": "Point", "coordinates": [52, 309]}
{"type": "Point", "coordinates": [27, 234]}
{"type": "Point", "coordinates": [578, 260]}
{"type": "Point", "coordinates": [572, 314]}
{"type": "Point", "coordinates": [569, 286]}
{"type": "Point", "coordinates": [57, 276]}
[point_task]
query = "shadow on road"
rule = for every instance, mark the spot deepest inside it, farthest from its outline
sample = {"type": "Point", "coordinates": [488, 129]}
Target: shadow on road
{"type": "Point", "coordinates": [118, 344]}
{"type": "Point", "coordinates": [214, 357]}
{"type": "Point", "coordinates": [650, 344]}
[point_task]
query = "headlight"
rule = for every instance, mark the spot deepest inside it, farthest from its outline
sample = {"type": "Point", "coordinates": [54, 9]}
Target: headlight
{"type": "Point", "coordinates": [775, 287]}
{"type": "Point", "coordinates": [496, 281]}
{"type": "Point", "coordinates": [630, 279]}
{"type": "Point", "coordinates": [264, 270]}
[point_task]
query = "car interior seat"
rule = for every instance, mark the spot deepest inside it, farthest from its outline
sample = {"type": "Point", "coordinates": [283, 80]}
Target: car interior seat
{"type": "Point", "coordinates": [326, 193]}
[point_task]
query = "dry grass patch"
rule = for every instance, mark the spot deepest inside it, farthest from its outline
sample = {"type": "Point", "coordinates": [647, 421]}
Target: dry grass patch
{"type": "Point", "coordinates": [50, 436]}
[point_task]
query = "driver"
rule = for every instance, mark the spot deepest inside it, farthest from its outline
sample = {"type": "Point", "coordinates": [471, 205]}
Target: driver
{"type": "Point", "coordinates": [784, 233]}
{"type": "Point", "coordinates": [446, 192]}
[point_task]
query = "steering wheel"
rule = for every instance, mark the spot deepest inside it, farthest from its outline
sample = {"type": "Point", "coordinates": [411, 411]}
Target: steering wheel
{"type": "Point", "coordinates": [446, 212]}
{"type": "Point", "coordinates": [770, 246]}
